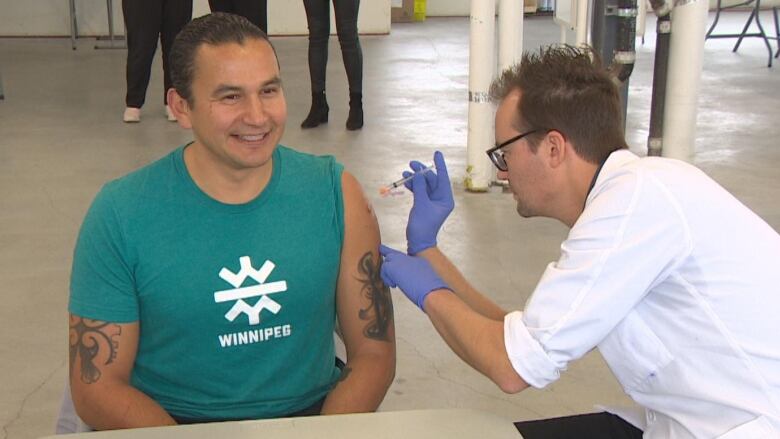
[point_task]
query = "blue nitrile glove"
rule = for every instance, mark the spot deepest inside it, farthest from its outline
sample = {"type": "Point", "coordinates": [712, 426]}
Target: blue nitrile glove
{"type": "Point", "coordinates": [432, 204]}
{"type": "Point", "coordinates": [412, 274]}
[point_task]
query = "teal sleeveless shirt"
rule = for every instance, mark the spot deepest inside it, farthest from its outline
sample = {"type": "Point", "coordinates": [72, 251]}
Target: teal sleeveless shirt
{"type": "Point", "coordinates": [236, 303]}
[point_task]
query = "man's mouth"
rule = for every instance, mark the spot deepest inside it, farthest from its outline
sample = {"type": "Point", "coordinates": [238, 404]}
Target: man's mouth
{"type": "Point", "coordinates": [251, 137]}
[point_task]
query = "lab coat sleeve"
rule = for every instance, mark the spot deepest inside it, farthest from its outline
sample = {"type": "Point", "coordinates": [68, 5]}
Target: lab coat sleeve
{"type": "Point", "coordinates": [630, 236]}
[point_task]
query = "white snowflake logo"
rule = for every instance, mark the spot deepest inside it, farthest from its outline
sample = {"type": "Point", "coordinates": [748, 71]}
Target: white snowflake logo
{"type": "Point", "coordinates": [239, 293]}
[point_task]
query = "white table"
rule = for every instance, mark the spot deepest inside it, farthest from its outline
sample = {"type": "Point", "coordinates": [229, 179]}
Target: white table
{"type": "Point", "coordinates": [415, 424]}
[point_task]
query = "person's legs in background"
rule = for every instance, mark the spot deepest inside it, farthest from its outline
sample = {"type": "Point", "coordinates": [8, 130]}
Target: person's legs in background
{"type": "Point", "coordinates": [255, 11]}
{"type": "Point", "coordinates": [346, 26]}
{"type": "Point", "coordinates": [221, 5]}
{"type": "Point", "coordinates": [318, 18]}
{"type": "Point", "coordinates": [143, 19]}
{"type": "Point", "coordinates": [175, 14]}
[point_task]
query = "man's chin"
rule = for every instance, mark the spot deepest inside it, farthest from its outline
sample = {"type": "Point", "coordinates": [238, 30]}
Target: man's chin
{"type": "Point", "coordinates": [524, 212]}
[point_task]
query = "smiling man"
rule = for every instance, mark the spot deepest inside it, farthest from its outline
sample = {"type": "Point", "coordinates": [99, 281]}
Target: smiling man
{"type": "Point", "coordinates": [206, 286]}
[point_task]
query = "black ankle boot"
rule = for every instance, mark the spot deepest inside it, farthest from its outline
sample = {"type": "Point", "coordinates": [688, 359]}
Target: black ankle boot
{"type": "Point", "coordinates": [318, 113]}
{"type": "Point", "coordinates": [355, 119]}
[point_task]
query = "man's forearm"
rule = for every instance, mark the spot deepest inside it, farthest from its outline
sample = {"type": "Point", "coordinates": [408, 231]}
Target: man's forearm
{"type": "Point", "coordinates": [453, 277]}
{"type": "Point", "coordinates": [363, 384]}
{"type": "Point", "coordinates": [476, 339]}
{"type": "Point", "coordinates": [118, 406]}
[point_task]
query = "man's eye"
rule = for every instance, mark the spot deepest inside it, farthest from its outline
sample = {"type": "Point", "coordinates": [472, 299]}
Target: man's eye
{"type": "Point", "coordinates": [270, 90]}
{"type": "Point", "coordinates": [231, 98]}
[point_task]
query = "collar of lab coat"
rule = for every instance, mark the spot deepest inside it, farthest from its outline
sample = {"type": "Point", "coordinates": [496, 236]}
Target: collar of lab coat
{"type": "Point", "coordinates": [615, 161]}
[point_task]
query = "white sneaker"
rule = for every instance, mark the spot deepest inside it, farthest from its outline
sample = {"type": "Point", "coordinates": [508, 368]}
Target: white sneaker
{"type": "Point", "coordinates": [132, 115]}
{"type": "Point", "coordinates": [169, 114]}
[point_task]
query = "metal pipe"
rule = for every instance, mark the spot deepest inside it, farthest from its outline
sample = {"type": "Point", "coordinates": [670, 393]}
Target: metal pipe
{"type": "Point", "coordinates": [660, 69]}
{"type": "Point", "coordinates": [597, 26]}
{"type": "Point", "coordinates": [479, 171]}
{"type": "Point", "coordinates": [624, 56]}
{"type": "Point", "coordinates": [686, 54]}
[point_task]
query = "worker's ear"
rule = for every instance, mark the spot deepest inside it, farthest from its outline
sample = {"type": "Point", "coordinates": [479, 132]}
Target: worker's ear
{"type": "Point", "coordinates": [180, 108]}
{"type": "Point", "coordinates": [556, 150]}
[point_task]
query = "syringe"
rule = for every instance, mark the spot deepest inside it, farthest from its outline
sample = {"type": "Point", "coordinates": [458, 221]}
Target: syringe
{"type": "Point", "coordinates": [385, 190]}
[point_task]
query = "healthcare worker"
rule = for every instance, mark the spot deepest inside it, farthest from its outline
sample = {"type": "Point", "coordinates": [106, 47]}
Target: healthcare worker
{"type": "Point", "coordinates": [666, 273]}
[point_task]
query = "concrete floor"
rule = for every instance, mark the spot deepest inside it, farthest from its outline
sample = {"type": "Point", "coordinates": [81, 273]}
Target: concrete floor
{"type": "Point", "coordinates": [61, 138]}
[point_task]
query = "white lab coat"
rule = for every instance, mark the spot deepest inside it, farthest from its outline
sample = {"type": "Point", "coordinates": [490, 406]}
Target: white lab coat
{"type": "Point", "coordinates": [678, 285]}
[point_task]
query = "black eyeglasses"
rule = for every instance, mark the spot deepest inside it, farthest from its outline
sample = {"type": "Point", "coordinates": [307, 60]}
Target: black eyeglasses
{"type": "Point", "coordinates": [497, 155]}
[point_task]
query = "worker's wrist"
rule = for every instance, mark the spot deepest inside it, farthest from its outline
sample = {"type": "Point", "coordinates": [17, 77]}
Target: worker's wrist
{"type": "Point", "coordinates": [415, 248]}
{"type": "Point", "coordinates": [433, 295]}
{"type": "Point", "coordinates": [427, 251]}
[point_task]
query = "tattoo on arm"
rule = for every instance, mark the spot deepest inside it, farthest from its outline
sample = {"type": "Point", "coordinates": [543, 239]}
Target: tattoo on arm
{"type": "Point", "coordinates": [86, 338]}
{"type": "Point", "coordinates": [379, 313]}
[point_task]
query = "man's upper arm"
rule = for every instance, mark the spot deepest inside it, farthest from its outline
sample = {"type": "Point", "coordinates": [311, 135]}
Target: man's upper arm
{"type": "Point", "coordinates": [364, 304]}
{"type": "Point", "coordinates": [101, 354]}
{"type": "Point", "coordinates": [101, 350]}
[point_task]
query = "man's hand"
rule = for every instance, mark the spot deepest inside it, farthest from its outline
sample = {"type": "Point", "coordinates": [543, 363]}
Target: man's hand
{"type": "Point", "coordinates": [432, 204]}
{"type": "Point", "coordinates": [413, 275]}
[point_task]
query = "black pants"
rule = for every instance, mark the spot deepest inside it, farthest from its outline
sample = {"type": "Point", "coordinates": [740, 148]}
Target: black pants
{"type": "Point", "coordinates": [255, 11]}
{"type": "Point", "coordinates": [318, 17]}
{"type": "Point", "coordinates": [595, 425]}
{"type": "Point", "coordinates": [145, 22]}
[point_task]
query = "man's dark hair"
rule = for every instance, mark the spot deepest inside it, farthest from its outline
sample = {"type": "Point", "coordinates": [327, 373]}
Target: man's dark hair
{"type": "Point", "coordinates": [214, 29]}
{"type": "Point", "coordinates": [568, 90]}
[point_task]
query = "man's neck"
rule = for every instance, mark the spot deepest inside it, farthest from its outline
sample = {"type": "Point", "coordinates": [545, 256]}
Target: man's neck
{"type": "Point", "coordinates": [580, 179]}
{"type": "Point", "coordinates": [222, 182]}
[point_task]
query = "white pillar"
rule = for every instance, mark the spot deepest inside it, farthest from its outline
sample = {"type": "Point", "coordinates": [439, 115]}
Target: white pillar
{"type": "Point", "coordinates": [482, 63]}
{"type": "Point", "coordinates": [641, 18]}
{"type": "Point", "coordinates": [582, 23]}
{"type": "Point", "coordinates": [686, 54]}
{"type": "Point", "coordinates": [510, 33]}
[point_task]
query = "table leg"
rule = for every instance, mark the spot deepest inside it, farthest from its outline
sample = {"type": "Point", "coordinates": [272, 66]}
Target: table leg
{"type": "Point", "coordinates": [763, 35]}
{"type": "Point", "coordinates": [74, 29]}
{"type": "Point", "coordinates": [714, 23]}
{"type": "Point", "coordinates": [111, 36]}
{"type": "Point", "coordinates": [777, 31]}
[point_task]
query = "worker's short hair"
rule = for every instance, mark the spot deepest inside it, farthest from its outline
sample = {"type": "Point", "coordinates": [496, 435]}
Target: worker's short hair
{"type": "Point", "coordinates": [566, 89]}
{"type": "Point", "coordinates": [214, 29]}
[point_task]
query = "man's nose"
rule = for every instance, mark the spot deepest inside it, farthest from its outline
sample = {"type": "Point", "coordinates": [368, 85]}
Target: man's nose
{"type": "Point", "coordinates": [255, 113]}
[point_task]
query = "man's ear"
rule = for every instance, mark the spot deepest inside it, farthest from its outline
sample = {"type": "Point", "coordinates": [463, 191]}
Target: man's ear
{"type": "Point", "coordinates": [180, 108]}
{"type": "Point", "coordinates": [556, 148]}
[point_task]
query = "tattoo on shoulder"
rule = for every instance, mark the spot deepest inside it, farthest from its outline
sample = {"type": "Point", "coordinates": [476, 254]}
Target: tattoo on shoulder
{"type": "Point", "coordinates": [92, 341]}
{"type": "Point", "coordinates": [379, 313]}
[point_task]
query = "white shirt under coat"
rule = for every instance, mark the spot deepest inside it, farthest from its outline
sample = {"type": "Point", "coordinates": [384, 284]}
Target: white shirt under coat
{"type": "Point", "coordinates": [678, 285]}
